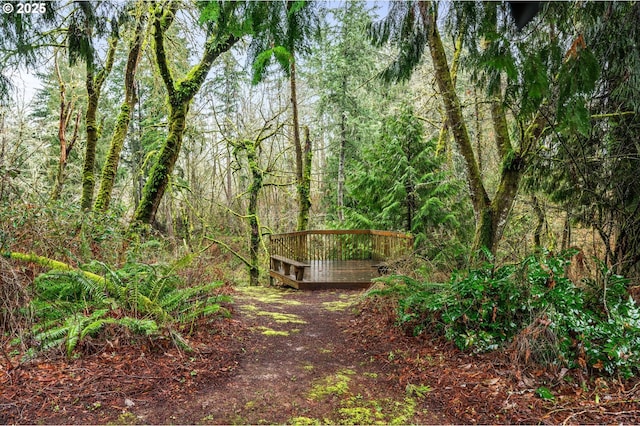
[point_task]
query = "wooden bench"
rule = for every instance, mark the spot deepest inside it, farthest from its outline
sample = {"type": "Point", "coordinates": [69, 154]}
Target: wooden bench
{"type": "Point", "coordinates": [286, 263]}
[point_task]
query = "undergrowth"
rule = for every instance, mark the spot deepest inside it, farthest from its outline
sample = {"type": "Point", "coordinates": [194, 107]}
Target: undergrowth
{"type": "Point", "coordinates": [44, 308]}
{"type": "Point", "coordinates": [531, 305]}
{"type": "Point", "coordinates": [153, 302]}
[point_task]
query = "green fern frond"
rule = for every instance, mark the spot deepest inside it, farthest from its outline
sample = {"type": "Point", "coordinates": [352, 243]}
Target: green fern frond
{"type": "Point", "coordinates": [184, 261]}
{"type": "Point", "coordinates": [74, 328]}
{"type": "Point", "coordinates": [139, 326]}
{"type": "Point", "coordinates": [96, 291]}
{"type": "Point", "coordinates": [93, 328]}
{"type": "Point", "coordinates": [204, 309]}
{"type": "Point", "coordinates": [53, 334]}
{"type": "Point", "coordinates": [52, 343]}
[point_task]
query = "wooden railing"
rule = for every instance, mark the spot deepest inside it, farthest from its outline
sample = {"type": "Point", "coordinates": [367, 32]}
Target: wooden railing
{"type": "Point", "coordinates": [360, 244]}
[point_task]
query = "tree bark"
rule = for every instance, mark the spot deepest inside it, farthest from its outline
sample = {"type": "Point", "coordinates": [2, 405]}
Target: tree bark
{"type": "Point", "coordinates": [537, 233]}
{"type": "Point", "coordinates": [110, 167]}
{"type": "Point", "coordinates": [94, 84]}
{"type": "Point", "coordinates": [179, 97]}
{"type": "Point", "coordinates": [252, 212]}
{"type": "Point", "coordinates": [304, 191]}
{"type": "Point", "coordinates": [303, 167]}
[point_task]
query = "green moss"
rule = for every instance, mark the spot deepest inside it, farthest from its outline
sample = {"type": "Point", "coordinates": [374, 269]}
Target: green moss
{"type": "Point", "coordinates": [304, 421]}
{"type": "Point", "coordinates": [360, 416]}
{"type": "Point", "coordinates": [337, 384]}
{"type": "Point", "coordinates": [356, 410]}
{"type": "Point", "coordinates": [336, 306]}
{"type": "Point", "coordinates": [268, 295]}
{"type": "Point", "coordinates": [126, 418]}
{"type": "Point", "coordinates": [282, 318]}
{"type": "Point", "coordinates": [271, 332]}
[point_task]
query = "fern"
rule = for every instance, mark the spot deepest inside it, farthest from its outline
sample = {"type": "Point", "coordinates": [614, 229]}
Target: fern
{"type": "Point", "coordinates": [51, 337]}
{"type": "Point", "coordinates": [151, 296]}
{"type": "Point", "coordinates": [146, 327]}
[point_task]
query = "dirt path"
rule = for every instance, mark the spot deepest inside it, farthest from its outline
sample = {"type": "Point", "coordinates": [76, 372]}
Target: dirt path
{"type": "Point", "coordinates": [299, 366]}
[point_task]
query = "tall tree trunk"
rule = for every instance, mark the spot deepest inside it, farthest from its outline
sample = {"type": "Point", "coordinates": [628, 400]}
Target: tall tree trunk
{"type": "Point", "coordinates": [3, 144]}
{"type": "Point", "coordinates": [443, 135]}
{"type": "Point", "coordinates": [537, 233]}
{"type": "Point", "coordinates": [252, 212]}
{"type": "Point", "coordinates": [94, 84]}
{"type": "Point", "coordinates": [138, 156]}
{"type": "Point", "coordinates": [566, 231]}
{"type": "Point", "coordinates": [110, 167]}
{"type": "Point", "coordinates": [252, 149]}
{"type": "Point", "coordinates": [305, 185]}
{"type": "Point", "coordinates": [158, 179]}
{"type": "Point", "coordinates": [179, 97]}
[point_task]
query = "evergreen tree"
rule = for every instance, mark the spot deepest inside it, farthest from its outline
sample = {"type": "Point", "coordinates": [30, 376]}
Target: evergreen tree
{"type": "Point", "coordinates": [342, 70]}
{"type": "Point", "coordinates": [399, 184]}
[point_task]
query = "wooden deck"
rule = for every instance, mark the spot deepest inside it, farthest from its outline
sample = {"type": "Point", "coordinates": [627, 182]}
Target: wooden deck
{"type": "Point", "coordinates": [333, 259]}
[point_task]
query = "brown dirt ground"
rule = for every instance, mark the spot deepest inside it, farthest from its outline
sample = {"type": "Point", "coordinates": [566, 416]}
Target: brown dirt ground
{"type": "Point", "coordinates": [300, 357]}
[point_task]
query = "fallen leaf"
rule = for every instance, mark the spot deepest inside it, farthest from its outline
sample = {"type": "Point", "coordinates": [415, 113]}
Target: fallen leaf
{"type": "Point", "coordinates": [490, 382]}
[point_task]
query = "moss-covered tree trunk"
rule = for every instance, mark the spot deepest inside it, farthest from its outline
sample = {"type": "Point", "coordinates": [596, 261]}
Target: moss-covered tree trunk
{"type": "Point", "coordinates": [179, 97]}
{"type": "Point", "coordinates": [491, 215]}
{"type": "Point", "coordinates": [159, 175]}
{"type": "Point", "coordinates": [110, 167]}
{"type": "Point", "coordinates": [304, 190]}
{"type": "Point", "coordinates": [251, 148]}
{"type": "Point", "coordinates": [94, 82]}
{"type": "Point", "coordinates": [252, 212]}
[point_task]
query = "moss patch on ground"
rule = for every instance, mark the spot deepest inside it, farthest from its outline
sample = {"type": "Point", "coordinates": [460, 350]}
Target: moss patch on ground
{"type": "Point", "coordinates": [279, 317]}
{"type": "Point", "coordinates": [271, 332]}
{"type": "Point", "coordinates": [337, 384]}
{"type": "Point", "coordinates": [337, 306]}
{"type": "Point", "coordinates": [356, 409]}
{"type": "Point", "coordinates": [282, 318]}
{"type": "Point", "coordinates": [268, 295]}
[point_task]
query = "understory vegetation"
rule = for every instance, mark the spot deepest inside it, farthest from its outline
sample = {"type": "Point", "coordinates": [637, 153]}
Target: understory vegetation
{"type": "Point", "coordinates": [531, 308]}
{"type": "Point", "coordinates": [49, 304]}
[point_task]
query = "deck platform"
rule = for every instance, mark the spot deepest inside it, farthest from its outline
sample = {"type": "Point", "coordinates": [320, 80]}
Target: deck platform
{"type": "Point", "coordinates": [333, 259]}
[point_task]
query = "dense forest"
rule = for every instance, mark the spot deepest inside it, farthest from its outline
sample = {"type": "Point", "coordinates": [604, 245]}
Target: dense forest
{"type": "Point", "coordinates": [148, 149]}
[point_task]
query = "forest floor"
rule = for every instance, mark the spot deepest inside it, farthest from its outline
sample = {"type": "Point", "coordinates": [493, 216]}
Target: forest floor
{"type": "Point", "coordinates": [286, 356]}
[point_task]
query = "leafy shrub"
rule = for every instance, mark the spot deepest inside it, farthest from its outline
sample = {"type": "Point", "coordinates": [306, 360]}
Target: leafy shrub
{"type": "Point", "coordinates": [489, 306]}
